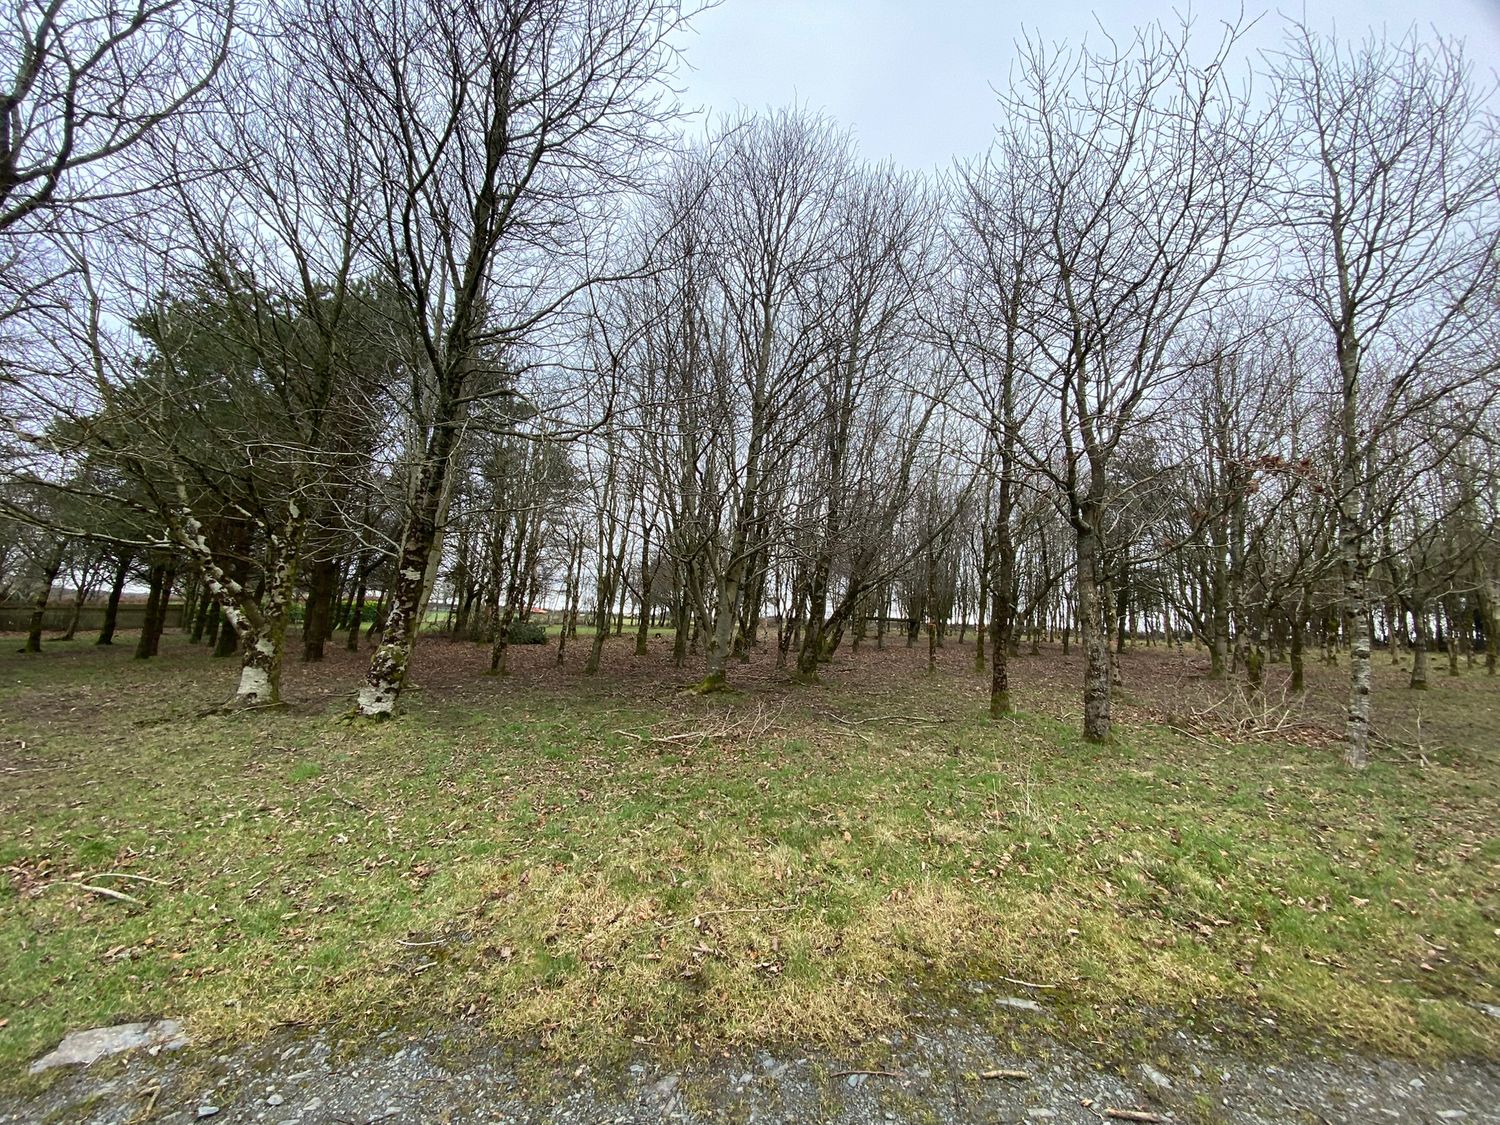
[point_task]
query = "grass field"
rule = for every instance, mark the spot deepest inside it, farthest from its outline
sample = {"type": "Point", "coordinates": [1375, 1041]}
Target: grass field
{"type": "Point", "coordinates": [594, 864]}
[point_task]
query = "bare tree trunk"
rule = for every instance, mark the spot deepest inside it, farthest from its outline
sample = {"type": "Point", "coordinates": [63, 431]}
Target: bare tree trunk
{"type": "Point", "coordinates": [980, 633]}
{"type": "Point", "coordinates": [1001, 626]}
{"type": "Point", "coordinates": [727, 613]}
{"type": "Point", "coordinates": [509, 595]}
{"type": "Point", "coordinates": [1002, 591]}
{"type": "Point", "coordinates": [1491, 612]}
{"type": "Point", "coordinates": [357, 609]}
{"type": "Point", "coordinates": [680, 620]}
{"type": "Point", "coordinates": [1419, 644]}
{"type": "Point", "coordinates": [643, 626]}
{"type": "Point", "coordinates": [570, 620]}
{"type": "Point", "coordinates": [149, 642]}
{"type": "Point", "coordinates": [1453, 635]}
{"type": "Point", "coordinates": [1353, 554]}
{"type": "Point", "coordinates": [227, 638]}
{"type": "Point", "coordinates": [44, 594]}
{"type": "Point", "coordinates": [80, 595]}
{"type": "Point", "coordinates": [263, 640]}
{"type": "Point", "coordinates": [1299, 624]}
{"type": "Point", "coordinates": [815, 594]}
{"type": "Point", "coordinates": [612, 573]}
{"type": "Point", "coordinates": [317, 619]}
{"type": "Point", "coordinates": [112, 607]}
{"type": "Point", "coordinates": [1093, 633]}
{"type": "Point", "coordinates": [1218, 653]}
{"type": "Point", "coordinates": [387, 674]}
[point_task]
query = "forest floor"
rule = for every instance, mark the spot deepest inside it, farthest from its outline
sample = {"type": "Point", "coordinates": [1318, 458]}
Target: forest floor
{"type": "Point", "coordinates": [569, 881]}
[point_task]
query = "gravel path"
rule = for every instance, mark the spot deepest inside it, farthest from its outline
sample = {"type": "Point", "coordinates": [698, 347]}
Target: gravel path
{"type": "Point", "coordinates": [946, 1074]}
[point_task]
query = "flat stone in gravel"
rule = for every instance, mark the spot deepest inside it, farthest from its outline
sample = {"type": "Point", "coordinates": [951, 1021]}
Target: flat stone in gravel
{"type": "Point", "coordinates": [79, 1048]}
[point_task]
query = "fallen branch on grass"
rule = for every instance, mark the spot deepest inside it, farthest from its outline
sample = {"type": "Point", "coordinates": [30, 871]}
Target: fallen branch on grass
{"type": "Point", "coordinates": [667, 739]}
{"type": "Point", "coordinates": [746, 727]}
{"type": "Point", "coordinates": [127, 875]}
{"type": "Point", "coordinates": [119, 896]}
{"type": "Point", "coordinates": [1028, 983]}
{"type": "Point", "coordinates": [885, 719]}
{"type": "Point", "coordinates": [1017, 1075]}
{"type": "Point", "coordinates": [1134, 1115]}
{"type": "Point", "coordinates": [350, 801]}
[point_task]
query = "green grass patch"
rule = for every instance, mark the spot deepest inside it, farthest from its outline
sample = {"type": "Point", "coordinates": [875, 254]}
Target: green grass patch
{"type": "Point", "coordinates": [592, 874]}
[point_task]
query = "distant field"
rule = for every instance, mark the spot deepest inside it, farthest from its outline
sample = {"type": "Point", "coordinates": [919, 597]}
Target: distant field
{"type": "Point", "coordinates": [597, 863]}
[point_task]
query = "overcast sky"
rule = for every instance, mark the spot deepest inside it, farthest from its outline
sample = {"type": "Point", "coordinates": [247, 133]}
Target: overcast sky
{"type": "Point", "coordinates": [913, 79]}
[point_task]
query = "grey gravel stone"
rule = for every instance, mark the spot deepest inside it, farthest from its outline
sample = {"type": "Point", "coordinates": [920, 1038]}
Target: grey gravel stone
{"type": "Point", "coordinates": [1019, 1002]}
{"type": "Point", "coordinates": [667, 1086]}
{"type": "Point", "coordinates": [1156, 1077]}
{"type": "Point", "coordinates": [80, 1048]}
{"type": "Point", "coordinates": [456, 1074]}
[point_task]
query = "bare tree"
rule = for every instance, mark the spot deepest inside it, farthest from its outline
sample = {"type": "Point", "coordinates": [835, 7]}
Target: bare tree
{"type": "Point", "coordinates": [1146, 165]}
{"type": "Point", "coordinates": [1391, 202]}
{"type": "Point", "coordinates": [495, 132]}
{"type": "Point", "coordinates": [89, 83]}
{"type": "Point", "coordinates": [777, 188]}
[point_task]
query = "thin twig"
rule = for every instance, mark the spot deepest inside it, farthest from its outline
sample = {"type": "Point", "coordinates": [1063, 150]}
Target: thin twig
{"type": "Point", "coordinates": [701, 914]}
{"type": "Point", "coordinates": [120, 896]}
{"type": "Point", "coordinates": [885, 719]}
{"type": "Point", "coordinates": [127, 875]}
{"type": "Point", "coordinates": [1028, 983]}
{"type": "Point", "coordinates": [150, 1094]}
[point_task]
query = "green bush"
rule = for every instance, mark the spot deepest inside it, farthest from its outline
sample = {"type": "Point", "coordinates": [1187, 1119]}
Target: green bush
{"type": "Point", "coordinates": [527, 633]}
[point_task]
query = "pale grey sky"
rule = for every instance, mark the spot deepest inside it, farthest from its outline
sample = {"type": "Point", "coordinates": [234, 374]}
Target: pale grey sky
{"type": "Point", "coordinates": [914, 79]}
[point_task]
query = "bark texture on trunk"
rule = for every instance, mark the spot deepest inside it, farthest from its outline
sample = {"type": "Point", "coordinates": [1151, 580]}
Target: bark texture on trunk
{"type": "Point", "coordinates": [1419, 645]}
{"type": "Point", "coordinates": [44, 594]}
{"type": "Point", "coordinates": [317, 620]}
{"type": "Point", "coordinates": [505, 611]}
{"type": "Point", "coordinates": [263, 642]}
{"type": "Point", "coordinates": [381, 690]}
{"type": "Point", "coordinates": [357, 610]}
{"type": "Point", "coordinates": [149, 643]}
{"type": "Point", "coordinates": [112, 607]}
{"type": "Point", "coordinates": [1093, 634]}
{"type": "Point", "coordinates": [1298, 673]}
{"type": "Point", "coordinates": [1002, 606]}
{"type": "Point", "coordinates": [1354, 556]}
{"type": "Point", "coordinates": [79, 596]}
{"type": "Point", "coordinates": [643, 626]}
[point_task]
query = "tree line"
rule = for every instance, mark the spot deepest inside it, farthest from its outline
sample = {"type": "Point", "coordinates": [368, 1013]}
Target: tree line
{"type": "Point", "coordinates": [390, 318]}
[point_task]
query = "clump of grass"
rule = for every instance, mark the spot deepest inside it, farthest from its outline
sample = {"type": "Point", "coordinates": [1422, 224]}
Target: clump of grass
{"type": "Point", "coordinates": [304, 771]}
{"type": "Point", "coordinates": [593, 877]}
